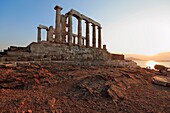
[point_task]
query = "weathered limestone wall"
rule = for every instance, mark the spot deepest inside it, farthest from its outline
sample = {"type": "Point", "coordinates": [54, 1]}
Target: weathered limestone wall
{"type": "Point", "coordinates": [118, 57]}
{"type": "Point", "coordinates": [64, 52]}
{"type": "Point", "coordinates": [56, 52]}
{"type": "Point", "coordinates": [18, 53]}
{"type": "Point", "coordinates": [45, 51]}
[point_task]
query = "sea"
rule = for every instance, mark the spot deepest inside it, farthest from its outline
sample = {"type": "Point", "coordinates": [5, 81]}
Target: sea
{"type": "Point", "coordinates": [151, 63]}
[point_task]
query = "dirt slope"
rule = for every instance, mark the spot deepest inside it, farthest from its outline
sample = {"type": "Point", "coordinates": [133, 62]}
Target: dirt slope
{"type": "Point", "coordinates": [63, 88]}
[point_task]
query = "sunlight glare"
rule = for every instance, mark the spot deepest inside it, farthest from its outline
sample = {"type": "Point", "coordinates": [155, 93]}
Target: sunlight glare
{"type": "Point", "coordinates": [151, 64]}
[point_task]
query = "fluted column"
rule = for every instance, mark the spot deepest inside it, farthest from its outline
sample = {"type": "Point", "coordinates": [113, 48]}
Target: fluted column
{"type": "Point", "coordinates": [99, 37]}
{"type": "Point", "coordinates": [87, 35]}
{"type": "Point", "coordinates": [74, 40]}
{"type": "Point", "coordinates": [79, 31]}
{"type": "Point", "coordinates": [57, 24]}
{"type": "Point", "coordinates": [50, 34]}
{"type": "Point", "coordinates": [70, 34]}
{"type": "Point", "coordinates": [83, 40]}
{"type": "Point", "coordinates": [39, 35]}
{"type": "Point", "coordinates": [94, 35]}
{"type": "Point", "coordinates": [63, 29]}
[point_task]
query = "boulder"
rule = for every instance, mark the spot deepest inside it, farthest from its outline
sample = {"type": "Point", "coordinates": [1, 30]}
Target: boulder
{"type": "Point", "coordinates": [161, 80]}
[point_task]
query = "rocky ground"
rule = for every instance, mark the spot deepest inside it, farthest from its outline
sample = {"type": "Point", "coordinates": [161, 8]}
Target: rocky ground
{"type": "Point", "coordinates": [64, 88]}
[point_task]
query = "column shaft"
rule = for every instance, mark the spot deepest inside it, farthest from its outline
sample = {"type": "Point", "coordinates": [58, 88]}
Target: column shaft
{"type": "Point", "coordinates": [87, 35]}
{"type": "Point", "coordinates": [99, 37]}
{"type": "Point", "coordinates": [70, 34]}
{"type": "Point", "coordinates": [79, 31]}
{"type": "Point", "coordinates": [50, 34]}
{"type": "Point", "coordinates": [63, 29]}
{"type": "Point", "coordinates": [94, 35]}
{"type": "Point", "coordinates": [83, 41]}
{"type": "Point", "coordinates": [74, 40]}
{"type": "Point", "coordinates": [57, 24]}
{"type": "Point", "coordinates": [39, 35]}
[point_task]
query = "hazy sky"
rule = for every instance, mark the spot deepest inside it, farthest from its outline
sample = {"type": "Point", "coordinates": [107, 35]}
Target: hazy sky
{"type": "Point", "coordinates": [129, 26]}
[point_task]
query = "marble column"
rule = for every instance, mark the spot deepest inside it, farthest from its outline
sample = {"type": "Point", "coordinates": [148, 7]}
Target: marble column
{"type": "Point", "coordinates": [57, 24]}
{"type": "Point", "coordinates": [79, 31]}
{"type": "Point", "coordinates": [39, 35]}
{"type": "Point", "coordinates": [104, 47]}
{"type": "Point", "coordinates": [83, 40]}
{"type": "Point", "coordinates": [94, 35]}
{"type": "Point", "coordinates": [63, 29]}
{"type": "Point", "coordinates": [74, 40]}
{"type": "Point", "coordinates": [87, 35]}
{"type": "Point", "coordinates": [99, 37]}
{"type": "Point", "coordinates": [70, 34]}
{"type": "Point", "coordinates": [50, 34]}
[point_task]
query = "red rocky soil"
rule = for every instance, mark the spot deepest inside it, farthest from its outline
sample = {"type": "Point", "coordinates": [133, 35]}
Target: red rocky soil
{"type": "Point", "coordinates": [61, 88]}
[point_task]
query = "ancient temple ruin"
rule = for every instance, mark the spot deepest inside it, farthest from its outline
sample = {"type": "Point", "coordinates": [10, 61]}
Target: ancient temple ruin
{"type": "Point", "coordinates": [62, 44]}
{"type": "Point", "coordinates": [63, 30]}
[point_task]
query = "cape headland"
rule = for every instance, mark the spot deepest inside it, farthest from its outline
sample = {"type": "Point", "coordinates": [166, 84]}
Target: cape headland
{"type": "Point", "coordinates": [73, 73]}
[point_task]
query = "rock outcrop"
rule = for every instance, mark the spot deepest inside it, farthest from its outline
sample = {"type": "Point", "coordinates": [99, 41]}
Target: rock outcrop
{"type": "Point", "coordinates": [63, 87]}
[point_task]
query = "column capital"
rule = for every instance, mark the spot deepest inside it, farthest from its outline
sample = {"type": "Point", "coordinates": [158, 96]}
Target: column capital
{"type": "Point", "coordinates": [51, 27]}
{"type": "Point", "coordinates": [79, 18]}
{"type": "Point", "coordinates": [58, 7]}
{"type": "Point", "coordinates": [99, 27]}
{"type": "Point", "coordinates": [70, 14]}
{"type": "Point", "coordinates": [93, 25]}
{"type": "Point", "coordinates": [87, 22]}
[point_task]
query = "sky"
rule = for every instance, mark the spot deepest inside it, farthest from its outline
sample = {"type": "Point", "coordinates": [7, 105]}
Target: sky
{"type": "Point", "coordinates": [128, 26]}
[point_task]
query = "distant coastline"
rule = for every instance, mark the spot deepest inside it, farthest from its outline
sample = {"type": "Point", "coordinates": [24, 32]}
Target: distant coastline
{"type": "Point", "coordinates": [161, 57]}
{"type": "Point", "coordinates": [162, 60]}
{"type": "Point", "coordinates": [135, 59]}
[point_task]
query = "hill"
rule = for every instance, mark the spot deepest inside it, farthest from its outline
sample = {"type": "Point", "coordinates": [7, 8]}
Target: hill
{"type": "Point", "coordinates": [132, 58]}
{"type": "Point", "coordinates": [160, 56]}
